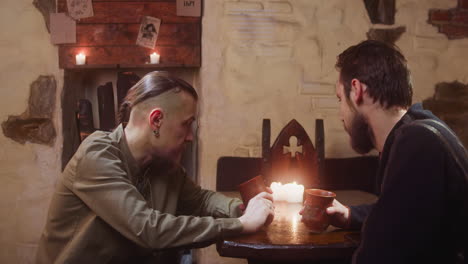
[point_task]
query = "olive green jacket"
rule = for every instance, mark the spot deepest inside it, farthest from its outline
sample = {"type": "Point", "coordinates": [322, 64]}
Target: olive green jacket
{"type": "Point", "coordinates": [99, 213]}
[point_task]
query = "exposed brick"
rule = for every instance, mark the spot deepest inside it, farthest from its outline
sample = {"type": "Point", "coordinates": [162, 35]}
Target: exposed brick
{"type": "Point", "coordinates": [463, 4]}
{"type": "Point", "coordinates": [460, 18]}
{"type": "Point", "coordinates": [437, 16]}
{"type": "Point", "coordinates": [454, 31]}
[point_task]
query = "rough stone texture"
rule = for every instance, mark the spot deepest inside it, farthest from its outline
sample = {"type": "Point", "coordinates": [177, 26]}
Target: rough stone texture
{"type": "Point", "coordinates": [390, 35]}
{"type": "Point", "coordinates": [35, 124]}
{"type": "Point", "coordinates": [34, 130]}
{"type": "Point", "coordinates": [381, 11]}
{"type": "Point", "coordinates": [451, 22]}
{"type": "Point", "coordinates": [450, 103]}
{"type": "Point", "coordinates": [45, 7]}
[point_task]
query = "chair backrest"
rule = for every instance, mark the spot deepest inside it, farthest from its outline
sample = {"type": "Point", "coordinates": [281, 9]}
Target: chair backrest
{"type": "Point", "coordinates": [293, 157]}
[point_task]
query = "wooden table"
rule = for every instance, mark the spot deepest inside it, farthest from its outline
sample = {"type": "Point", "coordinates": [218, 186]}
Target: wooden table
{"type": "Point", "coordinates": [288, 240]}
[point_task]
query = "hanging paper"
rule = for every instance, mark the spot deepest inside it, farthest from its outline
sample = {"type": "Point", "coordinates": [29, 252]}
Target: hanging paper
{"type": "Point", "coordinates": [62, 29]}
{"type": "Point", "coordinates": [189, 8]}
{"type": "Point", "coordinates": [80, 8]}
{"type": "Point", "coordinates": [149, 31]}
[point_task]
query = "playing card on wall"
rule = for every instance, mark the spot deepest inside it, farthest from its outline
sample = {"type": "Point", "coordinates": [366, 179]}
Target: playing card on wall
{"type": "Point", "coordinates": [149, 31]}
{"type": "Point", "coordinates": [80, 8]}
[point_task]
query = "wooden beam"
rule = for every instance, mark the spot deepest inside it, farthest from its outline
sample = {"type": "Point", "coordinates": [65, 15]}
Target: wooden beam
{"type": "Point", "coordinates": [117, 56]}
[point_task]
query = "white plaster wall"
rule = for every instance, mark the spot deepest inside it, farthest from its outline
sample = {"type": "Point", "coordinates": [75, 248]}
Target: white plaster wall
{"type": "Point", "coordinates": [27, 172]}
{"type": "Point", "coordinates": [275, 59]}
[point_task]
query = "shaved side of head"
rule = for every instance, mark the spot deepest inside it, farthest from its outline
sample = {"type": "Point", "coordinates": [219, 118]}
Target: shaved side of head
{"type": "Point", "coordinates": [169, 102]}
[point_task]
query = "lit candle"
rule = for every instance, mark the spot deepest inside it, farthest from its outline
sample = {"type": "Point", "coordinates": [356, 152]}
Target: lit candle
{"type": "Point", "coordinates": [154, 58]}
{"type": "Point", "coordinates": [80, 59]}
{"type": "Point", "coordinates": [290, 192]}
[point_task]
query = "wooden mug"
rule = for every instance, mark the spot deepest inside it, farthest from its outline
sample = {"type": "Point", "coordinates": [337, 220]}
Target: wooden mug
{"type": "Point", "coordinates": [251, 188]}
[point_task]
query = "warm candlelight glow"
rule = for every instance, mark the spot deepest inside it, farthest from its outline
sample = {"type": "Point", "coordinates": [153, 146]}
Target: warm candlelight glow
{"type": "Point", "coordinates": [154, 58]}
{"type": "Point", "coordinates": [290, 192]}
{"type": "Point", "coordinates": [80, 58]}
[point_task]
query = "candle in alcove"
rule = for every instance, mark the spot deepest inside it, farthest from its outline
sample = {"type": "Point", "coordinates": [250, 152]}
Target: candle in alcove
{"type": "Point", "coordinates": [154, 58]}
{"type": "Point", "coordinates": [80, 58]}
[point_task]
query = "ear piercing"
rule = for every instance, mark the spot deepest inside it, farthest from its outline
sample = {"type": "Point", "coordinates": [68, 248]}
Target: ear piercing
{"type": "Point", "coordinates": [156, 133]}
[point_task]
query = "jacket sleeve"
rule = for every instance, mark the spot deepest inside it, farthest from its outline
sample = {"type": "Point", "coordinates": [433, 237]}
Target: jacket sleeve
{"type": "Point", "coordinates": [102, 184]}
{"type": "Point", "coordinates": [197, 201]}
{"type": "Point", "coordinates": [358, 214]}
{"type": "Point", "coordinates": [407, 218]}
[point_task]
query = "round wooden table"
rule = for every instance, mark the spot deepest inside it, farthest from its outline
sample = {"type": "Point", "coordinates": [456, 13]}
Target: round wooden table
{"type": "Point", "coordinates": [288, 240]}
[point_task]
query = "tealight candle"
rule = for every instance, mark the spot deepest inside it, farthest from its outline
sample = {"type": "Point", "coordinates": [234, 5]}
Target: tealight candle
{"type": "Point", "coordinates": [154, 58]}
{"type": "Point", "coordinates": [80, 59]}
{"type": "Point", "coordinates": [290, 192]}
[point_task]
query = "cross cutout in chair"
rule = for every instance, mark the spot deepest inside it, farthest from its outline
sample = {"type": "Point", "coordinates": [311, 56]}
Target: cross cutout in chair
{"type": "Point", "coordinates": [293, 147]}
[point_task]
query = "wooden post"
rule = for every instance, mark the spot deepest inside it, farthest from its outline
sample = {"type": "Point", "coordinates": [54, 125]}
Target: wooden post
{"type": "Point", "coordinates": [106, 107]}
{"type": "Point", "coordinates": [266, 151]}
{"type": "Point", "coordinates": [320, 147]}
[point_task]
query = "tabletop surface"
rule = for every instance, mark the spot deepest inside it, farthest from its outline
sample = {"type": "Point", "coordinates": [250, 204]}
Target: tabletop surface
{"type": "Point", "coordinates": [288, 239]}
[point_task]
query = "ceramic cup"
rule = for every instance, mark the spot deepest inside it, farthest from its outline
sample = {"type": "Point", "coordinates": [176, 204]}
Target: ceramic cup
{"type": "Point", "coordinates": [316, 202]}
{"type": "Point", "coordinates": [251, 188]}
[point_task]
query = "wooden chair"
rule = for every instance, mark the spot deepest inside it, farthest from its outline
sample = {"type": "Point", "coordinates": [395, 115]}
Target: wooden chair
{"type": "Point", "coordinates": [293, 157]}
{"type": "Point", "coordinates": [300, 155]}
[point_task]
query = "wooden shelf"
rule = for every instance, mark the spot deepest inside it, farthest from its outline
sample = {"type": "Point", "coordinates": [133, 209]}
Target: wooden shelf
{"type": "Point", "coordinates": [130, 66]}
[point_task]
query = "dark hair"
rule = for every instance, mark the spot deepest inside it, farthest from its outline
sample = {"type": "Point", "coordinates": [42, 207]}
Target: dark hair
{"type": "Point", "coordinates": [382, 68]}
{"type": "Point", "coordinates": [151, 85]}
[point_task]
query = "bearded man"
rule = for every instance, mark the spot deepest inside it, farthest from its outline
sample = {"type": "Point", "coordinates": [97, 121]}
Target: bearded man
{"type": "Point", "coordinates": [421, 213]}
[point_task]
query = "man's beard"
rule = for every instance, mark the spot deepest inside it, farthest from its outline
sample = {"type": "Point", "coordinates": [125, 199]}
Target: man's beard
{"type": "Point", "coordinates": [362, 136]}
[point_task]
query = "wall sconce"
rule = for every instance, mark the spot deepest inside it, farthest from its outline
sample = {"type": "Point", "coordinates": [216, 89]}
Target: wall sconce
{"type": "Point", "coordinates": [80, 58]}
{"type": "Point", "coordinates": [154, 58]}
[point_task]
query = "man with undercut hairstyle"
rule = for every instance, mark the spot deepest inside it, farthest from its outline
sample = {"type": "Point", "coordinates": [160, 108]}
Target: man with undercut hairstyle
{"type": "Point", "coordinates": [124, 195]}
{"type": "Point", "coordinates": [421, 212]}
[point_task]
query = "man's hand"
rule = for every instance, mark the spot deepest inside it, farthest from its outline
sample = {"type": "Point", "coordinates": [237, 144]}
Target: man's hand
{"type": "Point", "coordinates": [257, 212]}
{"type": "Point", "coordinates": [242, 206]}
{"type": "Point", "coordinates": [339, 214]}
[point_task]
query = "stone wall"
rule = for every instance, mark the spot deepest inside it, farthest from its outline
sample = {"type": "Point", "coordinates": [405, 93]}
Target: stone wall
{"type": "Point", "coordinates": [28, 171]}
{"type": "Point", "coordinates": [275, 59]}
